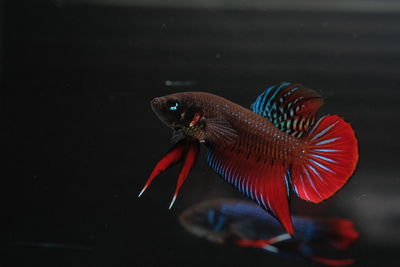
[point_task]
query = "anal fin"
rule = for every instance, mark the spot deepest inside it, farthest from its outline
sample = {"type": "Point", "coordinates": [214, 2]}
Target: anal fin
{"type": "Point", "coordinates": [262, 181]}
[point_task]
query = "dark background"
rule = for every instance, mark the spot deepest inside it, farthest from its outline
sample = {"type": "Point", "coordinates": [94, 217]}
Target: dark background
{"type": "Point", "coordinates": [80, 138]}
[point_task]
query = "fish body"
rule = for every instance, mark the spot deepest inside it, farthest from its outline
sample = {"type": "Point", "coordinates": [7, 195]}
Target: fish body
{"type": "Point", "coordinates": [246, 132]}
{"type": "Point", "coordinates": [245, 224]}
{"type": "Point", "coordinates": [267, 151]}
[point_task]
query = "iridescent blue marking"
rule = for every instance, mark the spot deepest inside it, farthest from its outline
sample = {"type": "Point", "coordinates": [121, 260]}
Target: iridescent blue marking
{"type": "Point", "coordinates": [316, 173]}
{"type": "Point", "coordinates": [311, 182]}
{"type": "Point", "coordinates": [266, 93]}
{"type": "Point", "coordinates": [226, 172]}
{"type": "Point", "coordinates": [233, 179]}
{"type": "Point", "coordinates": [294, 89]}
{"type": "Point", "coordinates": [295, 189]}
{"type": "Point", "coordinates": [261, 99]}
{"type": "Point", "coordinates": [217, 166]}
{"type": "Point", "coordinates": [237, 182]}
{"type": "Point", "coordinates": [242, 185]}
{"type": "Point", "coordinates": [274, 95]}
{"type": "Point", "coordinates": [230, 175]}
{"type": "Point", "coordinates": [247, 188]}
{"type": "Point", "coordinates": [210, 159]}
{"type": "Point", "coordinates": [262, 200]}
{"type": "Point", "coordinates": [324, 142]}
{"type": "Point", "coordinates": [287, 186]}
{"type": "Point", "coordinates": [324, 131]}
{"type": "Point", "coordinates": [223, 171]}
{"type": "Point", "coordinates": [269, 206]}
{"type": "Point", "coordinates": [231, 172]}
{"type": "Point", "coordinates": [212, 163]}
{"type": "Point", "coordinates": [256, 198]}
{"type": "Point", "coordinates": [321, 166]}
{"type": "Point", "coordinates": [327, 150]}
{"type": "Point", "coordinates": [271, 109]}
{"type": "Point", "coordinates": [303, 186]}
{"type": "Point", "coordinates": [220, 168]}
{"type": "Point", "coordinates": [258, 104]}
{"type": "Point", "coordinates": [251, 192]}
{"type": "Point", "coordinates": [315, 126]}
{"type": "Point", "coordinates": [323, 158]}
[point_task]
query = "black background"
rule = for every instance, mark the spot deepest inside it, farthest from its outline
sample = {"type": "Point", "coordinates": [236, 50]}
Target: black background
{"type": "Point", "coordinates": [80, 138]}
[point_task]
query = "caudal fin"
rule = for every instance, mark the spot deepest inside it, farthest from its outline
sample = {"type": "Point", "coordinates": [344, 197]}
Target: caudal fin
{"type": "Point", "coordinates": [329, 159]}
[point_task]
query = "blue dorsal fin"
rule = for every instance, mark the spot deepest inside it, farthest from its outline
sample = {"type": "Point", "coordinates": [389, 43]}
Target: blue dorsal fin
{"type": "Point", "coordinates": [290, 107]}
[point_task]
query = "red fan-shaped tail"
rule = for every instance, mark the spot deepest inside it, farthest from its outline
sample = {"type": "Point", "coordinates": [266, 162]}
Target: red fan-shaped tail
{"type": "Point", "coordinates": [330, 158]}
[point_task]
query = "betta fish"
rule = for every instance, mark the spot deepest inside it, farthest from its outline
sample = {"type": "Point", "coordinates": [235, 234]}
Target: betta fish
{"type": "Point", "coordinates": [266, 152]}
{"type": "Point", "coordinates": [245, 224]}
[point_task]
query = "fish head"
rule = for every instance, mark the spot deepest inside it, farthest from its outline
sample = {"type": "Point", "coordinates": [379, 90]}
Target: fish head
{"type": "Point", "coordinates": [179, 111]}
{"type": "Point", "coordinates": [206, 223]}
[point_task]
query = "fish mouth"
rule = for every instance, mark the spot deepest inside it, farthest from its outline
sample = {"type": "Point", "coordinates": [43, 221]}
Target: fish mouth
{"type": "Point", "coordinates": [158, 107]}
{"type": "Point", "coordinates": [156, 104]}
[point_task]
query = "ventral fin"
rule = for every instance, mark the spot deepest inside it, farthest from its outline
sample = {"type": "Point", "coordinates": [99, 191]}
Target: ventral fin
{"type": "Point", "coordinates": [190, 157]}
{"type": "Point", "coordinates": [289, 106]}
{"type": "Point", "coordinates": [172, 157]}
{"type": "Point", "coordinates": [261, 181]}
{"type": "Point", "coordinates": [220, 130]}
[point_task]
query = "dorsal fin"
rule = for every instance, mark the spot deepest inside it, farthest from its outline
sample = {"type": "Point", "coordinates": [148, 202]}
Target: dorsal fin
{"type": "Point", "coordinates": [290, 107]}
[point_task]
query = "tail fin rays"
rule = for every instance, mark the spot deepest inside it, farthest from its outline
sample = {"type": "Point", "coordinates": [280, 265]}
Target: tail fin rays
{"type": "Point", "coordinates": [330, 158]}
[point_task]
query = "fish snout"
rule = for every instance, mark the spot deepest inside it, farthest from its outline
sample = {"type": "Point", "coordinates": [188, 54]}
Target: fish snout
{"type": "Point", "coordinates": [156, 103]}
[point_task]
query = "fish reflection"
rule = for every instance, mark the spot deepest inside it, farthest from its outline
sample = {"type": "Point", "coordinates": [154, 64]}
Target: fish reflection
{"type": "Point", "coordinates": [245, 224]}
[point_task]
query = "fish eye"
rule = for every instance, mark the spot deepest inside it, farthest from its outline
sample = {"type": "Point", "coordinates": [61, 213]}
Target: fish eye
{"type": "Point", "coordinates": [173, 104]}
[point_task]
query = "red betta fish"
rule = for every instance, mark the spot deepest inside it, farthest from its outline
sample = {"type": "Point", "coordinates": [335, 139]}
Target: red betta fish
{"type": "Point", "coordinates": [263, 152]}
